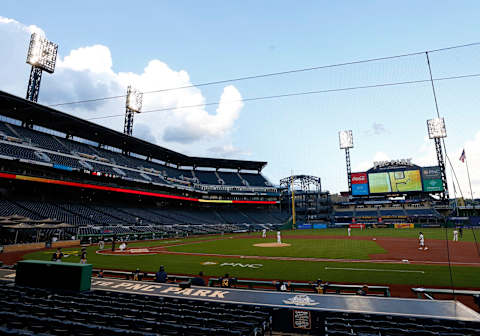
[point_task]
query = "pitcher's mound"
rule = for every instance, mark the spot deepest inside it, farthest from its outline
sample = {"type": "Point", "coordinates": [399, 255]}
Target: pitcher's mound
{"type": "Point", "coordinates": [271, 245]}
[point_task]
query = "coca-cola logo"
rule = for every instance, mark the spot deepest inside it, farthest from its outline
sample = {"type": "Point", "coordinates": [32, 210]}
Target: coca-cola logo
{"type": "Point", "coordinates": [359, 178]}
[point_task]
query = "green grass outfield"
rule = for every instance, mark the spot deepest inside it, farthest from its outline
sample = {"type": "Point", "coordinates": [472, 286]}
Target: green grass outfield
{"type": "Point", "coordinates": [373, 273]}
{"type": "Point", "coordinates": [429, 233]}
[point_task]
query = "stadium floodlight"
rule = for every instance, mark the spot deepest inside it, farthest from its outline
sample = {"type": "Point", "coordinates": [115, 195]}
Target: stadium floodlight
{"type": "Point", "coordinates": [436, 128]}
{"type": "Point", "coordinates": [134, 99]}
{"type": "Point", "coordinates": [42, 53]}
{"type": "Point", "coordinates": [346, 139]}
{"type": "Point", "coordinates": [133, 105]}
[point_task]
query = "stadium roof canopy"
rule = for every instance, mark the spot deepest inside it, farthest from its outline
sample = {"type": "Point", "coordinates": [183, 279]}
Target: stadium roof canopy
{"type": "Point", "coordinates": [32, 113]}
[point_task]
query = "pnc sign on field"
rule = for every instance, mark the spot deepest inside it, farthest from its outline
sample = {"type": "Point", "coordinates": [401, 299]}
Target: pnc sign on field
{"type": "Point", "coordinates": [254, 266]}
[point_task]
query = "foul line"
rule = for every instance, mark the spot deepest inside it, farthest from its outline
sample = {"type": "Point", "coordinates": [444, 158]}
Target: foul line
{"type": "Point", "coordinates": [371, 269]}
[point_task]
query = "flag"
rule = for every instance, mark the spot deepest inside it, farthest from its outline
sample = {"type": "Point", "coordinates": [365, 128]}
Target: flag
{"type": "Point", "coordinates": [463, 157]}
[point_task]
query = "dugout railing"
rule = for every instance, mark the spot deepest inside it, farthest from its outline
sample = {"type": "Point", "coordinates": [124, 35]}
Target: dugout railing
{"type": "Point", "coordinates": [306, 287]}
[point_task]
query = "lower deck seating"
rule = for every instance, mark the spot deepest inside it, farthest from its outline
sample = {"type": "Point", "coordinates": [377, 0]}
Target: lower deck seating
{"type": "Point", "coordinates": [29, 311]}
{"type": "Point", "coordinates": [380, 325]}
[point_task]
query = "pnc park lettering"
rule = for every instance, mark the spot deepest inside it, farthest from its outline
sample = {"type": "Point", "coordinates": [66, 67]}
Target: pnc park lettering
{"type": "Point", "coordinates": [401, 162]}
{"type": "Point", "coordinates": [162, 289]}
{"type": "Point", "coordinates": [242, 265]}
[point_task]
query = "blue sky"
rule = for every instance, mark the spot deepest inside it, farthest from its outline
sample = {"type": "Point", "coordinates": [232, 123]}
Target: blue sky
{"type": "Point", "coordinates": [216, 40]}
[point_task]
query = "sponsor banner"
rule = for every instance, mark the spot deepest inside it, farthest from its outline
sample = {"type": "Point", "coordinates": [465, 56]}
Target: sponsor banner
{"type": "Point", "coordinates": [403, 225]}
{"type": "Point", "coordinates": [319, 226]}
{"type": "Point", "coordinates": [431, 173]}
{"type": "Point", "coordinates": [357, 226]}
{"type": "Point", "coordinates": [360, 189]}
{"type": "Point", "coordinates": [62, 167]}
{"type": "Point", "coordinates": [359, 184]}
{"type": "Point", "coordinates": [304, 226]}
{"type": "Point", "coordinates": [432, 185]}
{"type": "Point", "coordinates": [359, 178]}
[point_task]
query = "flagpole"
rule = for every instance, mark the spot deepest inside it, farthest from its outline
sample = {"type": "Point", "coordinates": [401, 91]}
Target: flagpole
{"type": "Point", "coordinates": [469, 183]}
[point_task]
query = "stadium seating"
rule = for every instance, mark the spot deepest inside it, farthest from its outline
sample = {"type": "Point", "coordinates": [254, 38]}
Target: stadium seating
{"type": "Point", "coordinates": [255, 179]}
{"type": "Point", "coordinates": [78, 155]}
{"type": "Point", "coordinates": [392, 212]}
{"type": "Point", "coordinates": [27, 311]}
{"type": "Point", "coordinates": [380, 325]}
{"type": "Point", "coordinates": [421, 212]}
{"type": "Point", "coordinates": [207, 177]}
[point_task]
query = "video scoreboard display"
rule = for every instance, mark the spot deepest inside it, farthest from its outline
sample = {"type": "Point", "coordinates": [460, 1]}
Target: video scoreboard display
{"type": "Point", "coordinates": [397, 181]}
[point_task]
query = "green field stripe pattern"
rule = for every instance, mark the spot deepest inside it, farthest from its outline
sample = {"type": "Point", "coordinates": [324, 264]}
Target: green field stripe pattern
{"type": "Point", "coordinates": [306, 248]}
{"type": "Point", "coordinates": [281, 269]}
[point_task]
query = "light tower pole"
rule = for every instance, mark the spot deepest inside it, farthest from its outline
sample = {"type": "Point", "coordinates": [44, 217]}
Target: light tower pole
{"type": "Point", "coordinates": [437, 131]}
{"type": "Point", "coordinates": [133, 105]}
{"type": "Point", "coordinates": [346, 142]}
{"type": "Point", "coordinates": [42, 56]}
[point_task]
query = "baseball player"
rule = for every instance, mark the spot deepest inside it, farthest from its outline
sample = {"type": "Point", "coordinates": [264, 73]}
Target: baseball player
{"type": "Point", "coordinates": [421, 241]}
{"type": "Point", "coordinates": [83, 256]}
{"type": "Point", "coordinates": [279, 238]}
{"type": "Point", "coordinates": [264, 233]}
{"type": "Point", "coordinates": [349, 231]}
{"type": "Point", "coordinates": [455, 235]}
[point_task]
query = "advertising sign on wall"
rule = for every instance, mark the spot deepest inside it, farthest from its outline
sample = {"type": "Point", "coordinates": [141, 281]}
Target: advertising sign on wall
{"type": "Point", "coordinates": [432, 179]}
{"type": "Point", "coordinates": [359, 184]}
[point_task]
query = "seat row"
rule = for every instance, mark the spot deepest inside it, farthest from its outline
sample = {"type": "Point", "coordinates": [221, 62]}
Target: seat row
{"type": "Point", "coordinates": [130, 313]}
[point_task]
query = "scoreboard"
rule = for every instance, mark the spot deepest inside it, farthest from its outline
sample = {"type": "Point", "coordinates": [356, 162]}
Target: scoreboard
{"type": "Point", "coordinates": [397, 181]}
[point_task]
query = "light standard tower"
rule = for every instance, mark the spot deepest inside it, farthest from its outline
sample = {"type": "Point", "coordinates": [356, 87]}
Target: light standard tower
{"type": "Point", "coordinates": [133, 105]}
{"type": "Point", "coordinates": [42, 55]}
{"type": "Point", "coordinates": [346, 142]}
{"type": "Point", "coordinates": [437, 131]}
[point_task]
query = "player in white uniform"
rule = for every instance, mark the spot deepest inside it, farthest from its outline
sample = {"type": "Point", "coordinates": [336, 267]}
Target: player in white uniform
{"type": "Point", "coordinates": [264, 233]}
{"type": "Point", "coordinates": [279, 238]}
{"type": "Point", "coordinates": [455, 235]}
{"type": "Point", "coordinates": [349, 231]}
{"type": "Point", "coordinates": [421, 241]}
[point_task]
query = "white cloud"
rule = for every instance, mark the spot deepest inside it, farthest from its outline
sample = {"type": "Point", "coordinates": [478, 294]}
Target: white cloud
{"type": "Point", "coordinates": [197, 123]}
{"type": "Point", "coordinates": [227, 151]}
{"type": "Point", "coordinates": [87, 72]}
{"type": "Point", "coordinates": [95, 58]}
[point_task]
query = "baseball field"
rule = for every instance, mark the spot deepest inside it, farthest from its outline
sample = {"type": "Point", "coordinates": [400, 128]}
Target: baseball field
{"type": "Point", "coordinates": [374, 256]}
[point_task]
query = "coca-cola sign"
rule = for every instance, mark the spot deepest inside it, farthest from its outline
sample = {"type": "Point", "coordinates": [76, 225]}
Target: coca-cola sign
{"type": "Point", "coordinates": [359, 178]}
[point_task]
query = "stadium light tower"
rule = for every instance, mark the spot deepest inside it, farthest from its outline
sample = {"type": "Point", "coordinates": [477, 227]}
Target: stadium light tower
{"type": "Point", "coordinates": [133, 105]}
{"type": "Point", "coordinates": [437, 131]}
{"type": "Point", "coordinates": [42, 56]}
{"type": "Point", "coordinates": [346, 142]}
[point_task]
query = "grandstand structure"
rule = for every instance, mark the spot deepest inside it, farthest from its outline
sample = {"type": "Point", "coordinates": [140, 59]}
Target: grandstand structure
{"type": "Point", "coordinates": [312, 205]}
{"type": "Point", "coordinates": [65, 169]}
